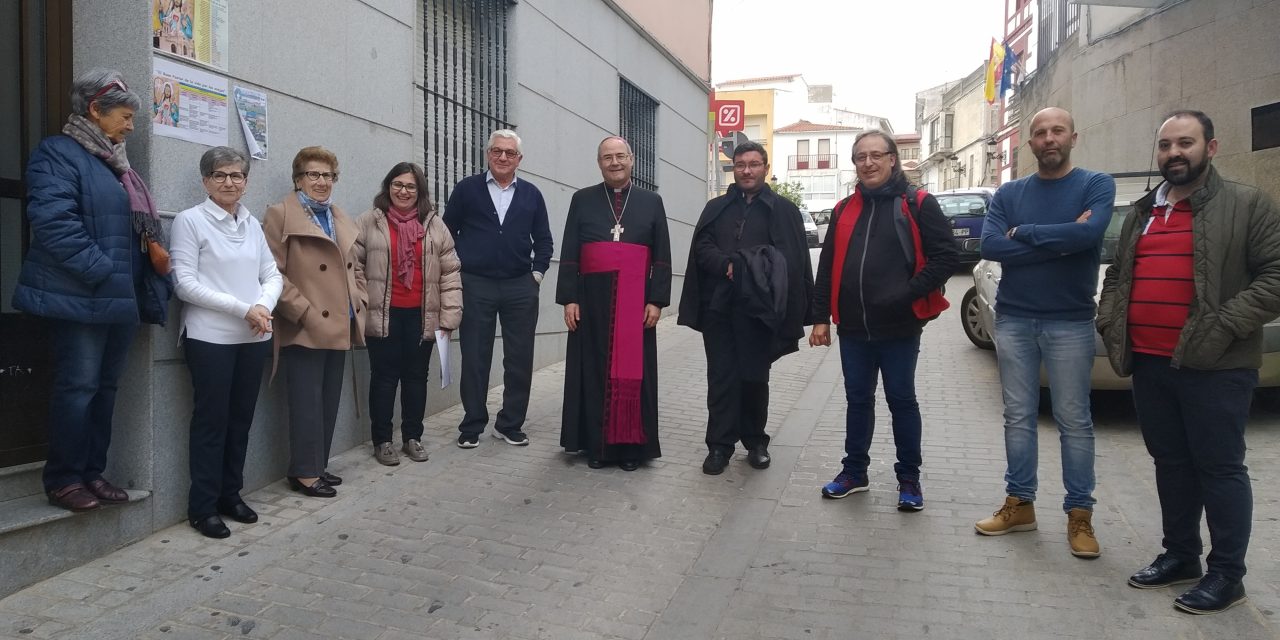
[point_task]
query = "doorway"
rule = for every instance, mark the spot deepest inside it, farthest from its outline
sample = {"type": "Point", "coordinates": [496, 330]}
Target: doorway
{"type": "Point", "coordinates": [35, 75]}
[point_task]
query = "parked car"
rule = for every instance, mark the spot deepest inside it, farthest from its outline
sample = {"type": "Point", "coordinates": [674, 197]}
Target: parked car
{"type": "Point", "coordinates": [977, 314]}
{"type": "Point", "coordinates": [966, 210]}
{"type": "Point", "coordinates": [810, 229]}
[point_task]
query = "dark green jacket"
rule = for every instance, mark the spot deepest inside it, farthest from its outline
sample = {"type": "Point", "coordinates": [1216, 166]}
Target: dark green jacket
{"type": "Point", "coordinates": [1236, 263]}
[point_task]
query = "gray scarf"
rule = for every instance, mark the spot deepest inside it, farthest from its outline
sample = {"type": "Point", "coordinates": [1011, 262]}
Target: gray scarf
{"type": "Point", "coordinates": [95, 141]}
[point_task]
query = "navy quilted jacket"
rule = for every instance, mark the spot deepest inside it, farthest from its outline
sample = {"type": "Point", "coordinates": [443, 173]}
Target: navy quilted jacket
{"type": "Point", "coordinates": [84, 263]}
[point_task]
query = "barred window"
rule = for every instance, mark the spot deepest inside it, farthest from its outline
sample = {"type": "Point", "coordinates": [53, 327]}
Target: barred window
{"type": "Point", "coordinates": [639, 115]}
{"type": "Point", "coordinates": [464, 86]}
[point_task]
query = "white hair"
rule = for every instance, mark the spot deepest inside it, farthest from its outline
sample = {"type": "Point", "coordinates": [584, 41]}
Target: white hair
{"type": "Point", "coordinates": [504, 133]}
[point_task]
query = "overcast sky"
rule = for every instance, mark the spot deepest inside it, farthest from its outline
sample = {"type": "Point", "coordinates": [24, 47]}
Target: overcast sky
{"type": "Point", "coordinates": [877, 53]}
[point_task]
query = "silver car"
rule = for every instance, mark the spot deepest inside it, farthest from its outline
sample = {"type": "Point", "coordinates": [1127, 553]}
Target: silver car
{"type": "Point", "coordinates": [977, 314]}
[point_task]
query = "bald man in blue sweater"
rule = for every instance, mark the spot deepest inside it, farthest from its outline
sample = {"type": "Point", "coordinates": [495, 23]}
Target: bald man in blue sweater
{"type": "Point", "coordinates": [1046, 231]}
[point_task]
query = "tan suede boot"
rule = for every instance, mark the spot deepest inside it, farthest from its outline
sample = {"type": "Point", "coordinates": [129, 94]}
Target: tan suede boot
{"type": "Point", "coordinates": [1080, 534]}
{"type": "Point", "coordinates": [1016, 515]}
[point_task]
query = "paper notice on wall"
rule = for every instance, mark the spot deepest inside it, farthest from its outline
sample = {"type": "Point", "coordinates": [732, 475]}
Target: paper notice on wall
{"type": "Point", "coordinates": [252, 107]}
{"type": "Point", "coordinates": [192, 29]}
{"type": "Point", "coordinates": [187, 103]}
{"type": "Point", "coordinates": [442, 348]}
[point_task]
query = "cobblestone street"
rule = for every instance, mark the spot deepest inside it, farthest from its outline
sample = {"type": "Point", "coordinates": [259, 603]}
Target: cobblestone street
{"type": "Point", "coordinates": [528, 543]}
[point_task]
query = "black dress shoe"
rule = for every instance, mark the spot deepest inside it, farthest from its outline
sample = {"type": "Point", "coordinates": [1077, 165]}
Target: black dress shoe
{"type": "Point", "coordinates": [759, 457]}
{"type": "Point", "coordinates": [595, 463]}
{"type": "Point", "coordinates": [1164, 571]}
{"type": "Point", "coordinates": [715, 463]}
{"type": "Point", "coordinates": [1214, 594]}
{"type": "Point", "coordinates": [330, 479]}
{"type": "Point", "coordinates": [240, 512]}
{"type": "Point", "coordinates": [211, 527]}
{"type": "Point", "coordinates": [629, 465]}
{"type": "Point", "coordinates": [318, 489]}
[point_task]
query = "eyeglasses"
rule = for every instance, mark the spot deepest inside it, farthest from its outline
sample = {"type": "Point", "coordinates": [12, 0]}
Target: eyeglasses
{"type": "Point", "coordinates": [614, 157]}
{"type": "Point", "coordinates": [874, 156]}
{"type": "Point", "coordinates": [220, 177]}
{"type": "Point", "coordinates": [743, 166]}
{"type": "Point", "coordinates": [401, 186]}
{"type": "Point", "coordinates": [316, 176]}
{"type": "Point", "coordinates": [114, 84]}
{"type": "Point", "coordinates": [498, 153]}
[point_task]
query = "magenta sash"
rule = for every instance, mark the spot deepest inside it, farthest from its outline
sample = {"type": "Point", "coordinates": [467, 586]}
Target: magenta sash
{"type": "Point", "coordinates": [630, 264]}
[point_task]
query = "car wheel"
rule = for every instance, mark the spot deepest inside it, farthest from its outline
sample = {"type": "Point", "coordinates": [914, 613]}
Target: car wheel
{"type": "Point", "coordinates": [971, 318]}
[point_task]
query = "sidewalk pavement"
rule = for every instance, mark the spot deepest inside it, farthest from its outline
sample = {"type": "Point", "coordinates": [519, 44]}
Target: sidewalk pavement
{"type": "Point", "coordinates": [528, 543]}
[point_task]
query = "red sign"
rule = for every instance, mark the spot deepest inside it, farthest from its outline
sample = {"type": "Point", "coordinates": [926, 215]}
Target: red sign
{"type": "Point", "coordinates": [730, 116]}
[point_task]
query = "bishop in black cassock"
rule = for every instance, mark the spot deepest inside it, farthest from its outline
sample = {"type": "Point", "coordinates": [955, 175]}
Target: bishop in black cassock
{"type": "Point", "coordinates": [615, 278]}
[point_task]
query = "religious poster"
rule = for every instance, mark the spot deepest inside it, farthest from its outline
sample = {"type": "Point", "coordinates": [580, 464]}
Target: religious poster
{"type": "Point", "coordinates": [187, 103]}
{"type": "Point", "coordinates": [192, 29]}
{"type": "Point", "coordinates": [251, 104]}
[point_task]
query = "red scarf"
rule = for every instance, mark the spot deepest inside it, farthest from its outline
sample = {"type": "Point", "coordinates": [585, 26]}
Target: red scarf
{"type": "Point", "coordinates": [926, 308]}
{"type": "Point", "coordinates": [409, 233]}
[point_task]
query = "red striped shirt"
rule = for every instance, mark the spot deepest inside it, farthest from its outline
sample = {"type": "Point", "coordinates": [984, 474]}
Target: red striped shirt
{"type": "Point", "coordinates": [1163, 282]}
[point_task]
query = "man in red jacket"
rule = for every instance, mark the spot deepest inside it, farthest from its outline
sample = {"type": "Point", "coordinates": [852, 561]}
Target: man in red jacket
{"type": "Point", "coordinates": [887, 253]}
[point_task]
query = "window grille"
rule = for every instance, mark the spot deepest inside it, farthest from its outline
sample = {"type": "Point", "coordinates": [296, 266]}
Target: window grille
{"type": "Point", "coordinates": [464, 86]}
{"type": "Point", "coordinates": [639, 124]}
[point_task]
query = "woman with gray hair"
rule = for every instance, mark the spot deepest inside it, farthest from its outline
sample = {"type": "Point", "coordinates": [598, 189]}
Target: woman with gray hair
{"type": "Point", "coordinates": [95, 268]}
{"type": "Point", "coordinates": [226, 274]}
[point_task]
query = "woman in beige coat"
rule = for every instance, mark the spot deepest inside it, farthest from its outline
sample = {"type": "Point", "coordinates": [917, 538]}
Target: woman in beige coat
{"type": "Point", "coordinates": [415, 288]}
{"type": "Point", "coordinates": [321, 313]}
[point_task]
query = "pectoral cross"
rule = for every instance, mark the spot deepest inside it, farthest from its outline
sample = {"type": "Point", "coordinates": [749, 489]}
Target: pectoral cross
{"type": "Point", "coordinates": [617, 232]}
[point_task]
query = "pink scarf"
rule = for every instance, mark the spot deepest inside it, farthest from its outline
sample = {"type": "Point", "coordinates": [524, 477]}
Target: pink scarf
{"type": "Point", "coordinates": [409, 233]}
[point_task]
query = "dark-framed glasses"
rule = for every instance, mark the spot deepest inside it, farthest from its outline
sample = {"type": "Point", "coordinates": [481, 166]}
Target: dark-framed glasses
{"type": "Point", "coordinates": [874, 156]}
{"type": "Point", "coordinates": [221, 176]}
{"type": "Point", "coordinates": [509, 153]}
{"type": "Point", "coordinates": [407, 187]}
{"type": "Point", "coordinates": [744, 166]}
{"type": "Point", "coordinates": [316, 176]}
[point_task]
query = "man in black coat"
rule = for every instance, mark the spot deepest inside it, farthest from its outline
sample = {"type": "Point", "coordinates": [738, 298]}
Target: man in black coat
{"type": "Point", "coordinates": [729, 236]}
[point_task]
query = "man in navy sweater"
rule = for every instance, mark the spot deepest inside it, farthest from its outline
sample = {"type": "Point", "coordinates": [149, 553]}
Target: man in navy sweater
{"type": "Point", "coordinates": [503, 236]}
{"type": "Point", "coordinates": [1046, 231]}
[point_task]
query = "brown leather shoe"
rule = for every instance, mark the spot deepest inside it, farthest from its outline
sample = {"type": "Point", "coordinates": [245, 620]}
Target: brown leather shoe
{"type": "Point", "coordinates": [73, 497]}
{"type": "Point", "coordinates": [108, 493]}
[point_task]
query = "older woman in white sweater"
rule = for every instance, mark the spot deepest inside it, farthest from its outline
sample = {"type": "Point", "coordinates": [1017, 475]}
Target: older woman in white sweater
{"type": "Point", "coordinates": [227, 277]}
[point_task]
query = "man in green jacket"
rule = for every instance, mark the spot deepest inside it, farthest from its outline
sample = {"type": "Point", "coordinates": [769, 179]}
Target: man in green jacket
{"type": "Point", "coordinates": [1196, 276]}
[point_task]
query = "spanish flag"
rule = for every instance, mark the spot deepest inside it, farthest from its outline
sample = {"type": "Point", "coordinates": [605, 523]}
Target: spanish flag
{"type": "Point", "coordinates": [995, 69]}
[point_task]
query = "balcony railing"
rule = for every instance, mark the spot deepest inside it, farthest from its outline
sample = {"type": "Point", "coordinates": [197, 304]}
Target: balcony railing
{"type": "Point", "coordinates": [815, 161]}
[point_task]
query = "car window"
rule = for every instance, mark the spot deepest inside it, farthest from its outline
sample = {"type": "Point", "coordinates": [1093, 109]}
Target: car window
{"type": "Point", "coordinates": [962, 205]}
{"type": "Point", "coordinates": [808, 219]}
{"type": "Point", "coordinates": [1111, 238]}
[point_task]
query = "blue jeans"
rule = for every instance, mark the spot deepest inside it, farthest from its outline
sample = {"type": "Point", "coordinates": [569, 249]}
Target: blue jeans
{"type": "Point", "coordinates": [87, 361]}
{"type": "Point", "coordinates": [1066, 349]}
{"type": "Point", "coordinates": [895, 361]}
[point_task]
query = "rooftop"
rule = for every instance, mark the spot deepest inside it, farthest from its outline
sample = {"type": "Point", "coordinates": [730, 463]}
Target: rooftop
{"type": "Point", "coordinates": [804, 126]}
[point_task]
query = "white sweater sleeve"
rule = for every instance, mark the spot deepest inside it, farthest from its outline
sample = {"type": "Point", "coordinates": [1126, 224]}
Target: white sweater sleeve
{"type": "Point", "coordinates": [269, 278]}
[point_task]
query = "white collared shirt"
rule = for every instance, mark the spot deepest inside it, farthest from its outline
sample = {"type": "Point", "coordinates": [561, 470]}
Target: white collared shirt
{"type": "Point", "coordinates": [501, 196]}
{"type": "Point", "coordinates": [222, 267]}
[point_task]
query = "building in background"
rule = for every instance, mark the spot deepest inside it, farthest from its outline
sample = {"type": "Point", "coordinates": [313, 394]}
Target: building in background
{"type": "Point", "coordinates": [1019, 33]}
{"type": "Point", "coordinates": [955, 124]}
{"type": "Point", "coordinates": [909, 155]}
{"type": "Point", "coordinates": [422, 80]}
{"type": "Point", "coordinates": [1120, 68]}
{"type": "Point", "coordinates": [819, 158]}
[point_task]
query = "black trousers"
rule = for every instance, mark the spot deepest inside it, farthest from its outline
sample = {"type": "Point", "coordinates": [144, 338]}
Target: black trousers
{"type": "Point", "coordinates": [737, 405]}
{"type": "Point", "coordinates": [399, 360]}
{"type": "Point", "coordinates": [1193, 424]}
{"type": "Point", "coordinates": [486, 301]}
{"type": "Point", "coordinates": [225, 379]}
{"type": "Point", "coordinates": [313, 381]}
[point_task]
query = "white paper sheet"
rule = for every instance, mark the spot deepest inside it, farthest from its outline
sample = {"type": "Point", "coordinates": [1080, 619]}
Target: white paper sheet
{"type": "Point", "coordinates": [442, 348]}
